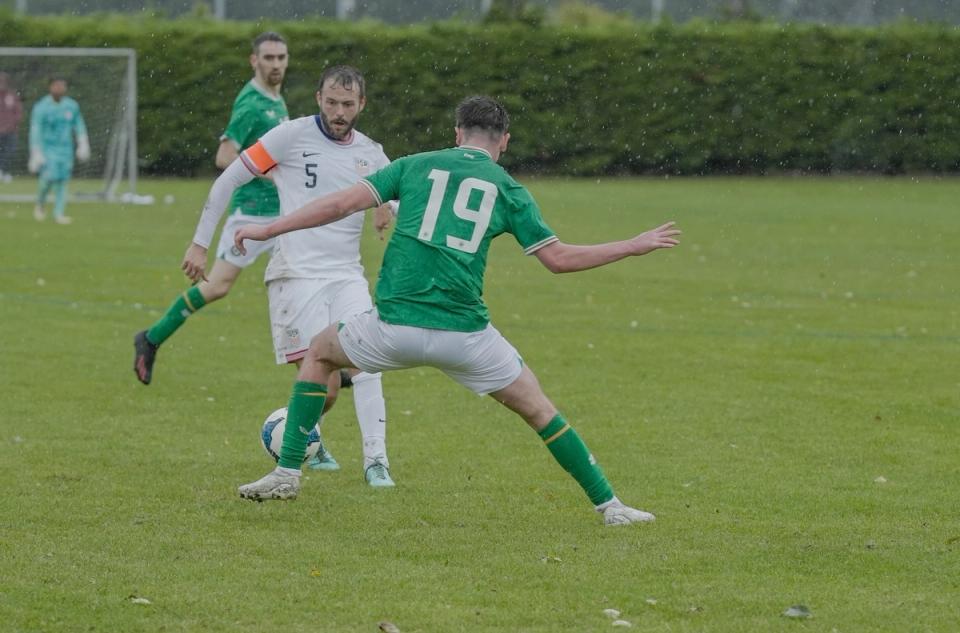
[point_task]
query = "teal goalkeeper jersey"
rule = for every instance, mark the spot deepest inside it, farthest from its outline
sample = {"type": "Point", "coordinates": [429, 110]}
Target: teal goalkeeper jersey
{"type": "Point", "coordinates": [254, 114]}
{"type": "Point", "coordinates": [453, 202]}
{"type": "Point", "coordinates": [53, 125]}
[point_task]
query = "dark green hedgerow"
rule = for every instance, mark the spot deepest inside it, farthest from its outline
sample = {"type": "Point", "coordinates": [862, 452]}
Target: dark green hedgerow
{"type": "Point", "coordinates": [694, 98]}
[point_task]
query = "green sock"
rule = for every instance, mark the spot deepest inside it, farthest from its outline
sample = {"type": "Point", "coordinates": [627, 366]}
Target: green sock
{"type": "Point", "coordinates": [571, 453]}
{"type": "Point", "coordinates": [303, 412]}
{"type": "Point", "coordinates": [185, 305]}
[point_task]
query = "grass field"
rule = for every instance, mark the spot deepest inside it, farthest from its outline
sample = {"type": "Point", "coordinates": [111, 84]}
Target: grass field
{"type": "Point", "coordinates": [783, 391]}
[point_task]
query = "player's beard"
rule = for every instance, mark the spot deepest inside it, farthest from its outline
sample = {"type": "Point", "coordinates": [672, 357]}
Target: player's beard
{"type": "Point", "coordinates": [270, 78]}
{"type": "Point", "coordinates": [341, 132]}
{"type": "Point", "coordinates": [274, 78]}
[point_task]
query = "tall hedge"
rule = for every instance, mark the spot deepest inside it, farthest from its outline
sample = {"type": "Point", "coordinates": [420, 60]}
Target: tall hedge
{"type": "Point", "coordinates": [696, 98]}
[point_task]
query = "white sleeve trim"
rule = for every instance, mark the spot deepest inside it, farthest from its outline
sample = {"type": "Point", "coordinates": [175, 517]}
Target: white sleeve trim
{"type": "Point", "coordinates": [235, 175]}
{"type": "Point", "coordinates": [530, 250]}
{"type": "Point", "coordinates": [373, 190]}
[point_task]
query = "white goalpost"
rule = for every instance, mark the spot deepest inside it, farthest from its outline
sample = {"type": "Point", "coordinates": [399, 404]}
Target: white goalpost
{"type": "Point", "coordinates": [104, 83]}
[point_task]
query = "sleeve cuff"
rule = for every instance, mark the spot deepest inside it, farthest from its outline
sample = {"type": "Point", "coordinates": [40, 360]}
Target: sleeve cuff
{"type": "Point", "coordinates": [373, 190]}
{"type": "Point", "coordinates": [533, 248]}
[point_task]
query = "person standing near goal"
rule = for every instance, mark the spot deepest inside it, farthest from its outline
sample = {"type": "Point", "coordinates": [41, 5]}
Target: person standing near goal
{"type": "Point", "coordinates": [57, 134]}
{"type": "Point", "coordinates": [11, 111]}
{"type": "Point", "coordinates": [430, 310]}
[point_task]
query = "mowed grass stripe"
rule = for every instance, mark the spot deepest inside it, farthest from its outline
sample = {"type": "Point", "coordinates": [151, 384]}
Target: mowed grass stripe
{"type": "Point", "coordinates": [782, 391]}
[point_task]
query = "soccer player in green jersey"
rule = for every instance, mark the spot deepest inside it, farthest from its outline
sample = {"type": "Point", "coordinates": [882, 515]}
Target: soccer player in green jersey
{"type": "Point", "coordinates": [257, 109]}
{"type": "Point", "coordinates": [430, 310]}
{"type": "Point", "coordinates": [57, 134]}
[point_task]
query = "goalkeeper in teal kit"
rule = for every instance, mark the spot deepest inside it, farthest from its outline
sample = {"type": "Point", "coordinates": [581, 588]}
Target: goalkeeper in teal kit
{"type": "Point", "coordinates": [57, 135]}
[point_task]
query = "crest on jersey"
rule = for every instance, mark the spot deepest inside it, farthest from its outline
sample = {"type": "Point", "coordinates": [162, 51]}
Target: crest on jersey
{"type": "Point", "coordinates": [292, 335]}
{"type": "Point", "coordinates": [363, 166]}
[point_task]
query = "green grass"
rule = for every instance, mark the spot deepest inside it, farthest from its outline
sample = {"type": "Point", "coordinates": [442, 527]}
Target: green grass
{"type": "Point", "coordinates": [748, 387]}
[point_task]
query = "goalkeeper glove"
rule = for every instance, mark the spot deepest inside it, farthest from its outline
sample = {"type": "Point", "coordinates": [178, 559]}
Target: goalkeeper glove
{"type": "Point", "coordinates": [36, 161]}
{"type": "Point", "coordinates": [83, 149]}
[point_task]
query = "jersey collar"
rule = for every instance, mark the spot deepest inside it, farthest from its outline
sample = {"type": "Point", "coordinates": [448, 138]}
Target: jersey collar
{"type": "Point", "coordinates": [476, 149]}
{"type": "Point", "coordinates": [256, 86]}
{"type": "Point", "coordinates": [323, 130]}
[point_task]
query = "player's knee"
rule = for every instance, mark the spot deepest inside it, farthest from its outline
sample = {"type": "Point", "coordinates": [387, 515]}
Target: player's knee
{"type": "Point", "coordinates": [537, 411]}
{"type": "Point", "coordinates": [363, 377]}
{"type": "Point", "coordinates": [322, 345]}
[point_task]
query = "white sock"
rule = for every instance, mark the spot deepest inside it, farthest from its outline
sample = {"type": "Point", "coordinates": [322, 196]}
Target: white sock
{"type": "Point", "coordinates": [287, 472]}
{"type": "Point", "coordinates": [606, 504]}
{"type": "Point", "coordinates": [372, 416]}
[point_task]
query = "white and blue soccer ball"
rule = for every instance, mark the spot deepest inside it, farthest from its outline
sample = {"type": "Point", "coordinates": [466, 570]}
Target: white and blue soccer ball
{"type": "Point", "coordinates": [271, 436]}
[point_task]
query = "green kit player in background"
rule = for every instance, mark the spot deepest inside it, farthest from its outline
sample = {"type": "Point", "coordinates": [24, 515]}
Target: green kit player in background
{"type": "Point", "coordinates": [429, 307]}
{"type": "Point", "coordinates": [257, 109]}
{"type": "Point", "coordinates": [57, 134]}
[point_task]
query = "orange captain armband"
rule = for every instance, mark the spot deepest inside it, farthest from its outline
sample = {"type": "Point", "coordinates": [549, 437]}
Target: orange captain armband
{"type": "Point", "coordinates": [258, 159]}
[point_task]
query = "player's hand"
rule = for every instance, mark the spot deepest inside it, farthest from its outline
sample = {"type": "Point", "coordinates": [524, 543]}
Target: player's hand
{"type": "Point", "coordinates": [660, 237]}
{"type": "Point", "coordinates": [382, 219]}
{"type": "Point", "coordinates": [36, 161]}
{"type": "Point", "coordinates": [83, 149]}
{"type": "Point", "coordinates": [255, 232]}
{"type": "Point", "coordinates": [195, 263]}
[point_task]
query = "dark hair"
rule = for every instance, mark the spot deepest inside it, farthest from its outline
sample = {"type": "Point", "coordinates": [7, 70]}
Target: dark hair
{"type": "Point", "coordinates": [55, 78]}
{"type": "Point", "coordinates": [268, 36]}
{"type": "Point", "coordinates": [478, 113]}
{"type": "Point", "coordinates": [346, 76]}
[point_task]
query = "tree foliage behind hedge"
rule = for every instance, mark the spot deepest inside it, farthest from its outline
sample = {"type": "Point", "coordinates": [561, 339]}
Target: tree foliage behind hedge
{"type": "Point", "coordinates": [696, 98]}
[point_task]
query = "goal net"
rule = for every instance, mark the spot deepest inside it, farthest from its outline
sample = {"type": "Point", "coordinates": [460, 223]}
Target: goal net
{"type": "Point", "coordinates": [104, 83]}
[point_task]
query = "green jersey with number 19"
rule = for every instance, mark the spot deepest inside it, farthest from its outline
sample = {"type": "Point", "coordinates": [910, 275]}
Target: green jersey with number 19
{"type": "Point", "coordinates": [453, 202]}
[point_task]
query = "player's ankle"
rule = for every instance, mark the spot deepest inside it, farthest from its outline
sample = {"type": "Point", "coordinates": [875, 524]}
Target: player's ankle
{"type": "Point", "coordinates": [607, 504]}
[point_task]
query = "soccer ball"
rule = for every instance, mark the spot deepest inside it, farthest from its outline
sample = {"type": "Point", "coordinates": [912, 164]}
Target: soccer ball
{"type": "Point", "coordinates": [271, 436]}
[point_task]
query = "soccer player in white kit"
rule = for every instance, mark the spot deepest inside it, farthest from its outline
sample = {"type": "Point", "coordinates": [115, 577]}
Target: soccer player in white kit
{"type": "Point", "coordinates": [315, 277]}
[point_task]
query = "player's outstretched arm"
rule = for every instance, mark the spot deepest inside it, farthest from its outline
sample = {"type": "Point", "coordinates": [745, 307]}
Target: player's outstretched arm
{"type": "Point", "coordinates": [325, 210]}
{"type": "Point", "coordinates": [560, 257]}
{"type": "Point", "coordinates": [195, 259]}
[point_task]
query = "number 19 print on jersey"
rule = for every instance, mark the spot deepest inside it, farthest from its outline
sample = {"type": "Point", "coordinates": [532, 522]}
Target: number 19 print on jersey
{"type": "Point", "coordinates": [453, 202]}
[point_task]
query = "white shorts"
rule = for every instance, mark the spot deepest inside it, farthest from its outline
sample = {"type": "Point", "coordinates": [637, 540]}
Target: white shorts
{"type": "Point", "coordinates": [301, 308]}
{"type": "Point", "coordinates": [483, 361]}
{"type": "Point", "coordinates": [229, 253]}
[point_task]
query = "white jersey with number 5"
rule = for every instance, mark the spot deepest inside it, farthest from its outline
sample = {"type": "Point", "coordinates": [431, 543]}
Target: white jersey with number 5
{"type": "Point", "coordinates": [306, 164]}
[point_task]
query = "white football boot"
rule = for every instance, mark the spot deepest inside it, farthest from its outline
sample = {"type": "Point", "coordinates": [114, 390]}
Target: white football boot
{"type": "Point", "coordinates": [378, 475]}
{"type": "Point", "coordinates": [616, 513]}
{"type": "Point", "coordinates": [273, 485]}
